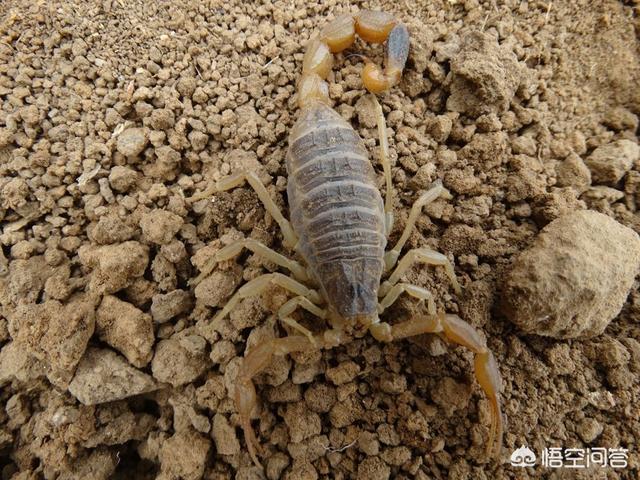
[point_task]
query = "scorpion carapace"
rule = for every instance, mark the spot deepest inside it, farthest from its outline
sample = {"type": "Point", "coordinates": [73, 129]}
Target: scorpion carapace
{"type": "Point", "coordinates": [339, 227]}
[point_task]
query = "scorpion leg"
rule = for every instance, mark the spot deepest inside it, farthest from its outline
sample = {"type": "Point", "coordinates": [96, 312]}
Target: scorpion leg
{"type": "Point", "coordinates": [237, 179]}
{"type": "Point", "coordinates": [386, 164]}
{"type": "Point", "coordinates": [413, 290]}
{"type": "Point", "coordinates": [258, 285]}
{"type": "Point", "coordinates": [257, 360]}
{"type": "Point", "coordinates": [424, 255]}
{"type": "Point", "coordinates": [230, 251]}
{"type": "Point", "coordinates": [436, 191]}
{"type": "Point", "coordinates": [455, 330]}
{"type": "Point", "coordinates": [288, 308]}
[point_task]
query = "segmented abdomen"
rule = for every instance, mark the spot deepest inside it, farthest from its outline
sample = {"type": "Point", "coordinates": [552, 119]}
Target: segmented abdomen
{"type": "Point", "coordinates": [336, 208]}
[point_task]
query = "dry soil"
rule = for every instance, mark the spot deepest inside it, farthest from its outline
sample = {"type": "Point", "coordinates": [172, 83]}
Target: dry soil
{"type": "Point", "coordinates": [113, 112]}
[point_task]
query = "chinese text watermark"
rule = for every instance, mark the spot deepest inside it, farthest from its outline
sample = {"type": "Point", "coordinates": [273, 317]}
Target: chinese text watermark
{"type": "Point", "coordinates": [557, 457]}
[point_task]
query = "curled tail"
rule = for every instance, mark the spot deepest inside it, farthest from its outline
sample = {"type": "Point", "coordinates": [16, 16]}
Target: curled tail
{"type": "Point", "coordinates": [339, 34]}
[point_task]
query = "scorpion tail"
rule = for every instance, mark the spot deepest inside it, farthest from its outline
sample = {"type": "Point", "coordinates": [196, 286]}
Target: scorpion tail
{"type": "Point", "coordinates": [339, 34]}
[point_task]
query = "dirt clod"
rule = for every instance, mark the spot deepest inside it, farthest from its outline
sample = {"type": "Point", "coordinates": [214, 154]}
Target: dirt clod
{"type": "Point", "coordinates": [122, 178]}
{"type": "Point", "coordinates": [485, 76]}
{"type": "Point", "coordinates": [589, 429]}
{"type": "Point", "coordinates": [572, 172]}
{"type": "Point", "coordinates": [16, 364]}
{"type": "Point", "coordinates": [115, 266]}
{"type": "Point", "coordinates": [373, 468]}
{"type": "Point", "coordinates": [180, 360]}
{"type": "Point", "coordinates": [184, 456]}
{"type": "Point", "coordinates": [127, 329]}
{"type": "Point", "coordinates": [575, 278]}
{"type": "Point", "coordinates": [215, 289]}
{"type": "Point", "coordinates": [166, 306]}
{"type": "Point", "coordinates": [301, 422]}
{"type": "Point", "coordinates": [55, 334]}
{"type": "Point", "coordinates": [608, 163]}
{"type": "Point", "coordinates": [103, 376]}
{"type": "Point", "coordinates": [224, 436]}
{"type": "Point", "coordinates": [343, 373]}
{"type": "Point", "coordinates": [132, 141]}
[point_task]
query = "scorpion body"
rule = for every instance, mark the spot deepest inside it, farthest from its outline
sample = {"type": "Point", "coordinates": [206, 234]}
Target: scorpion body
{"type": "Point", "coordinates": [337, 211]}
{"type": "Point", "coordinates": [339, 227]}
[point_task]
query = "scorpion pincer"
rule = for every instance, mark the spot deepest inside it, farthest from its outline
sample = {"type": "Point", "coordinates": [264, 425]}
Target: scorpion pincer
{"type": "Point", "coordinates": [339, 227]}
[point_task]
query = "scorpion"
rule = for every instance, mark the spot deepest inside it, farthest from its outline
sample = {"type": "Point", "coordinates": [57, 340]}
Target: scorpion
{"type": "Point", "coordinates": [339, 227]}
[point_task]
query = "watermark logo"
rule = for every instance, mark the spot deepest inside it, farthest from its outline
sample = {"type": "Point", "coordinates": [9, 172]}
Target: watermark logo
{"type": "Point", "coordinates": [523, 457]}
{"type": "Point", "coordinates": [556, 457]}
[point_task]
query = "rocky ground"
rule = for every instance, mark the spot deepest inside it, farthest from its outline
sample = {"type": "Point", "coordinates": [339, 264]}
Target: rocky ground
{"type": "Point", "coordinates": [115, 112]}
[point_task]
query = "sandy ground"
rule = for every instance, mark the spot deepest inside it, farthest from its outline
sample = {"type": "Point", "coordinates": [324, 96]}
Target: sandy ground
{"type": "Point", "coordinates": [113, 112]}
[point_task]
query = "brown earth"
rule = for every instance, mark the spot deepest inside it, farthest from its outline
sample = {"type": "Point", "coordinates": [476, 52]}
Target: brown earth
{"type": "Point", "coordinates": [113, 112]}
